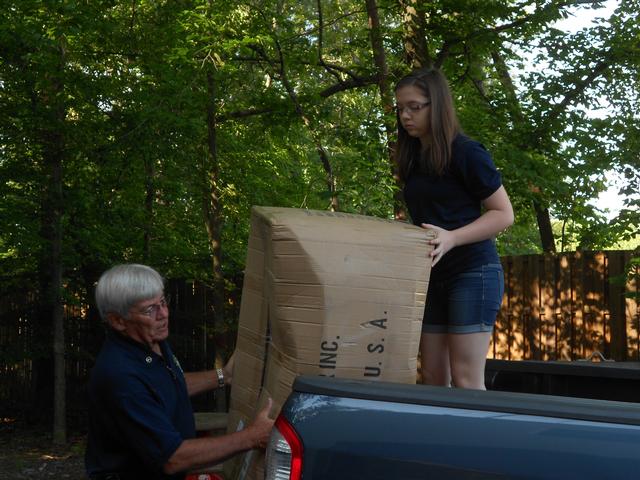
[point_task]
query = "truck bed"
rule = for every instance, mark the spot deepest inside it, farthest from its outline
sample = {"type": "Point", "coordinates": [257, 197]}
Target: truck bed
{"type": "Point", "coordinates": [376, 430]}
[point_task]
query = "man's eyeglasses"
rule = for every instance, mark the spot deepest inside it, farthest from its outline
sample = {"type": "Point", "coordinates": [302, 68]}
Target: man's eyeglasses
{"type": "Point", "coordinates": [152, 310]}
{"type": "Point", "coordinates": [413, 107]}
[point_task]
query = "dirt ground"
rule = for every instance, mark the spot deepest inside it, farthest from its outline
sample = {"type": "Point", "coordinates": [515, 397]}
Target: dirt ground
{"type": "Point", "coordinates": [28, 454]}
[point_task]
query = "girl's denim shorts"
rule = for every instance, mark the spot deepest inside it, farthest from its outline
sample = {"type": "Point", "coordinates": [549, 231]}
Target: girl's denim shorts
{"type": "Point", "coordinates": [465, 303]}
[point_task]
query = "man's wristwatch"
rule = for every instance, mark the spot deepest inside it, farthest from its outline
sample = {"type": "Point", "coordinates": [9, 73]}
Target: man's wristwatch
{"type": "Point", "coordinates": [220, 375]}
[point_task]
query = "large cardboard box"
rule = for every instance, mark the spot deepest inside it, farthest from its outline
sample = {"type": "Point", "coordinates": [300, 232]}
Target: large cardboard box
{"type": "Point", "coordinates": [324, 294]}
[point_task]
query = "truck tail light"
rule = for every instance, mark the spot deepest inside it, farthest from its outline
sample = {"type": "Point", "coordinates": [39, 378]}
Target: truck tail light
{"type": "Point", "coordinates": [284, 453]}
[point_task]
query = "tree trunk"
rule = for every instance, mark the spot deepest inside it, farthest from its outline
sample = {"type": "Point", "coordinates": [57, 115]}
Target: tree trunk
{"type": "Point", "coordinates": [386, 97]}
{"type": "Point", "coordinates": [213, 215]}
{"type": "Point", "coordinates": [52, 137]}
{"type": "Point", "coordinates": [148, 205]}
{"type": "Point", "coordinates": [415, 43]}
{"type": "Point", "coordinates": [544, 226]}
{"type": "Point", "coordinates": [59, 378]}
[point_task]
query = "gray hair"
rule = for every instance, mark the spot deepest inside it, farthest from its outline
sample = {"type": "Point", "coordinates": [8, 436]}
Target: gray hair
{"type": "Point", "coordinates": [122, 286]}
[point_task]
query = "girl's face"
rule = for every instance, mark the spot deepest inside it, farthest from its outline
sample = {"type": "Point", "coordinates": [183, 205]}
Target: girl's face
{"type": "Point", "coordinates": [413, 109]}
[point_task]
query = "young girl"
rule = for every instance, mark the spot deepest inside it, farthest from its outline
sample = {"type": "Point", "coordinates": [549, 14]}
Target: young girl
{"type": "Point", "coordinates": [452, 187]}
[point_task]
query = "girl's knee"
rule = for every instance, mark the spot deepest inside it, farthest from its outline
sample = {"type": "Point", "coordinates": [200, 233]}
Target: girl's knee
{"type": "Point", "coordinates": [468, 380]}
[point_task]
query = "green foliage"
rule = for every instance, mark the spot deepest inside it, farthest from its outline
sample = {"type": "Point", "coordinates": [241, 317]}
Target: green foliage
{"type": "Point", "coordinates": [287, 81]}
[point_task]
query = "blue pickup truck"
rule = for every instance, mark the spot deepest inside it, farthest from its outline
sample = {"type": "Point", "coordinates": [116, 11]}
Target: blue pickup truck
{"type": "Point", "coordinates": [336, 429]}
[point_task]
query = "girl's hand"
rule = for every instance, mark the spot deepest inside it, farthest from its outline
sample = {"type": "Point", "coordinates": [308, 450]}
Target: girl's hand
{"type": "Point", "coordinates": [444, 241]}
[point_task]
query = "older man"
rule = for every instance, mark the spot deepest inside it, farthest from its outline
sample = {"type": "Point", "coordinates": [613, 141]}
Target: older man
{"type": "Point", "coordinates": [141, 423]}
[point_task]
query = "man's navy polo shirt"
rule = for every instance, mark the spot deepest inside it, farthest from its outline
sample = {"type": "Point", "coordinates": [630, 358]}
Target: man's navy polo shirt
{"type": "Point", "coordinates": [139, 410]}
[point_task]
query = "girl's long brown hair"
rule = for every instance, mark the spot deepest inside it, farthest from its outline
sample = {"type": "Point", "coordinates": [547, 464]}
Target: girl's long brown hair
{"type": "Point", "coordinates": [444, 126]}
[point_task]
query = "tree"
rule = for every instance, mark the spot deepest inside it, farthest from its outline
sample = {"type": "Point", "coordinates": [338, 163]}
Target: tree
{"type": "Point", "coordinates": [145, 131]}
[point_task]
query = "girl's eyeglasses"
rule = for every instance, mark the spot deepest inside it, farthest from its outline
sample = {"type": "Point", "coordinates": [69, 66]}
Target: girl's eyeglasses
{"type": "Point", "coordinates": [412, 108]}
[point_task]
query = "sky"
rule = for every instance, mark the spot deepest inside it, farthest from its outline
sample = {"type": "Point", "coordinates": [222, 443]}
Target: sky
{"type": "Point", "coordinates": [583, 17]}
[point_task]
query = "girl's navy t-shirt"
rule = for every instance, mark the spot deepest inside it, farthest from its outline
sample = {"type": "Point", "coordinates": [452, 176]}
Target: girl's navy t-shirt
{"type": "Point", "coordinates": [453, 200]}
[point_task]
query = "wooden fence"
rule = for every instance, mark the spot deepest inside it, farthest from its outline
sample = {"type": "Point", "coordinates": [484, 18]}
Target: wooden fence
{"type": "Point", "coordinates": [555, 307]}
{"type": "Point", "coordinates": [568, 307]}
{"type": "Point", "coordinates": [195, 340]}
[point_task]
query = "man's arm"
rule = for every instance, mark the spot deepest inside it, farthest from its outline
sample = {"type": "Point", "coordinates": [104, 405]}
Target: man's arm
{"type": "Point", "coordinates": [199, 382]}
{"type": "Point", "coordinates": [203, 452]}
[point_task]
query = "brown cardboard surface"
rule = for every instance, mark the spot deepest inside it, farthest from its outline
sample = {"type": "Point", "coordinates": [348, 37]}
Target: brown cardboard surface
{"type": "Point", "coordinates": [325, 294]}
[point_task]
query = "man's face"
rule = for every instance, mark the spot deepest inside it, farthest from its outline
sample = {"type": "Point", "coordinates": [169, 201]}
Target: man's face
{"type": "Point", "coordinates": [148, 321]}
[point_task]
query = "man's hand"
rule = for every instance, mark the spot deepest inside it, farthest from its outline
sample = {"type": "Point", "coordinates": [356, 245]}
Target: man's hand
{"type": "Point", "coordinates": [262, 426]}
{"type": "Point", "coordinates": [227, 370]}
{"type": "Point", "coordinates": [201, 452]}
